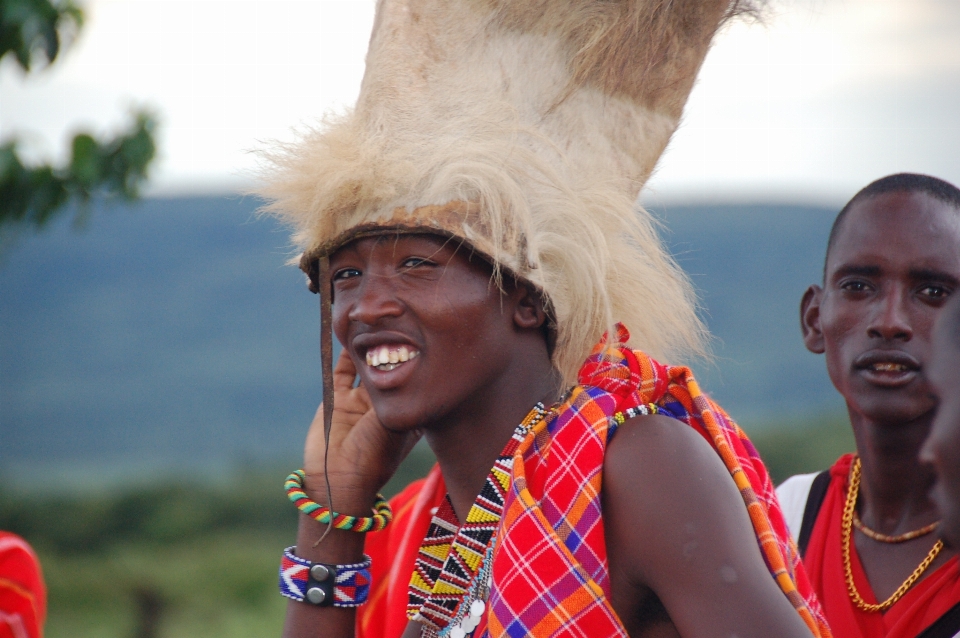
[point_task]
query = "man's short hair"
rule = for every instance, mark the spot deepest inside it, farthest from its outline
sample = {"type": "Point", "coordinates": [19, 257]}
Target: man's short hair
{"type": "Point", "coordinates": [900, 182]}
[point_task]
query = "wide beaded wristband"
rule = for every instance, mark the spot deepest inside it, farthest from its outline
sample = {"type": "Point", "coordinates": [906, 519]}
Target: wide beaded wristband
{"type": "Point", "coordinates": [324, 585]}
{"type": "Point", "coordinates": [380, 519]}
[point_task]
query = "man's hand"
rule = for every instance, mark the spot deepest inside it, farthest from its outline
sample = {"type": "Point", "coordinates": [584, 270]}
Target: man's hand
{"type": "Point", "coordinates": [363, 454]}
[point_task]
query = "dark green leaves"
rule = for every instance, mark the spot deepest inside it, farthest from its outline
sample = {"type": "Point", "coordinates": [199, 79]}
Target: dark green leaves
{"type": "Point", "coordinates": [31, 195]}
{"type": "Point", "coordinates": [118, 166]}
{"type": "Point", "coordinates": [31, 26]}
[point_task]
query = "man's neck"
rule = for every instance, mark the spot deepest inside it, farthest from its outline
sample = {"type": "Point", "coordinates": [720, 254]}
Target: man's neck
{"type": "Point", "coordinates": [894, 484]}
{"type": "Point", "coordinates": [468, 441]}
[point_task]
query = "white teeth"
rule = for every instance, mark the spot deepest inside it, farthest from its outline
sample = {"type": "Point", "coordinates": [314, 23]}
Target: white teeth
{"type": "Point", "coordinates": [388, 358]}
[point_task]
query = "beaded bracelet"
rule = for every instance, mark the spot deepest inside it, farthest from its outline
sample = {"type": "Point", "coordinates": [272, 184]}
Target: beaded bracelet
{"type": "Point", "coordinates": [324, 585]}
{"type": "Point", "coordinates": [381, 518]}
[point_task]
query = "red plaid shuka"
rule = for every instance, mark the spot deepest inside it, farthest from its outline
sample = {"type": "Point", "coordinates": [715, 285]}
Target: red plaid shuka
{"type": "Point", "coordinates": [550, 575]}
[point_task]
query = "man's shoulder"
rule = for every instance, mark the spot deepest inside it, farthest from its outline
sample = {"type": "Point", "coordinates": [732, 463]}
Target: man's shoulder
{"type": "Point", "coordinates": [655, 460]}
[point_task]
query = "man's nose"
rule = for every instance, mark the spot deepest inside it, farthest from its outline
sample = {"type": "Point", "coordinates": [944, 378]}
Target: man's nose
{"type": "Point", "coordinates": [891, 320]}
{"type": "Point", "coordinates": [376, 299]}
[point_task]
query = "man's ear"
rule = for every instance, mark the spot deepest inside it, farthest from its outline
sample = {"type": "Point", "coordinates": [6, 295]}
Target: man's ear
{"type": "Point", "coordinates": [528, 312]}
{"type": "Point", "coordinates": [810, 319]}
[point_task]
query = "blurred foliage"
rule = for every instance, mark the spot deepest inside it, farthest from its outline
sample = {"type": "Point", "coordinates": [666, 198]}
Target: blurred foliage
{"type": "Point", "coordinates": [216, 585]}
{"type": "Point", "coordinates": [803, 446]}
{"type": "Point", "coordinates": [31, 195]}
{"type": "Point", "coordinates": [168, 513]}
{"type": "Point", "coordinates": [179, 559]}
{"type": "Point", "coordinates": [31, 26]}
{"type": "Point", "coordinates": [189, 558]}
{"type": "Point", "coordinates": [117, 166]}
{"type": "Point", "coordinates": [160, 515]}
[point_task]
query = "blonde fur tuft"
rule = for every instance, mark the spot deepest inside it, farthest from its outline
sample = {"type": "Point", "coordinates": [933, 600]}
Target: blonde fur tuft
{"type": "Point", "coordinates": [526, 128]}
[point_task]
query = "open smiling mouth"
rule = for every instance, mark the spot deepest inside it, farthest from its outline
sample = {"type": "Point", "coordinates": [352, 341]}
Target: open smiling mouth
{"type": "Point", "coordinates": [386, 358]}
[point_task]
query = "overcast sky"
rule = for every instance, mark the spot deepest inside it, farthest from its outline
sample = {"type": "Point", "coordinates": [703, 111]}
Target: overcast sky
{"type": "Point", "coordinates": [823, 98]}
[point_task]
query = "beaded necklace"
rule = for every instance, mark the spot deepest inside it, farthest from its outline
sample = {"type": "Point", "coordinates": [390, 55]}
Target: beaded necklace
{"type": "Point", "coordinates": [451, 580]}
{"type": "Point", "coordinates": [899, 538]}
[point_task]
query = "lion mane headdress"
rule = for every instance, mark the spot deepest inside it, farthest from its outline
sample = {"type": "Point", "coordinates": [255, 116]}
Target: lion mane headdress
{"type": "Point", "coordinates": [526, 129]}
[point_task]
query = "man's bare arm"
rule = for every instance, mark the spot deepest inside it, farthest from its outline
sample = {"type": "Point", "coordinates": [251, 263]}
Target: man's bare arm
{"type": "Point", "coordinates": [676, 525]}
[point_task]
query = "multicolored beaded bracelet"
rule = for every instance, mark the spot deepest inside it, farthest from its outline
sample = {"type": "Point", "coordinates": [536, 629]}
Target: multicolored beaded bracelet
{"type": "Point", "coordinates": [381, 518]}
{"type": "Point", "coordinates": [640, 410]}
{"type": "Point", "coordinates": [324, 585]}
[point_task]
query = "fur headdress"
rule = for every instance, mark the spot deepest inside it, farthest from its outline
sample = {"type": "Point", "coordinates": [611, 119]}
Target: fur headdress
{"type": "Point", "coordinates": [526, 128]}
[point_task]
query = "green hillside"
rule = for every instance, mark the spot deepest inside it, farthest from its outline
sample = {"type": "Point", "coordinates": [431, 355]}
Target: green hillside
{"type": "Point", "coordinates": [171, 337]}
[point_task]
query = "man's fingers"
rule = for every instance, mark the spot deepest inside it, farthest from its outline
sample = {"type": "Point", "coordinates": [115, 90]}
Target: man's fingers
{"type": "Point", "coordinates": [318, 416]}
{"type": "Point", "coordinates": [344, 373]}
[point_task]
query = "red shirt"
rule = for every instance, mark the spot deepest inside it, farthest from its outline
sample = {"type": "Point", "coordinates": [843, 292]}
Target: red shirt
{"type": "Point", "coordinates": [917, 609]}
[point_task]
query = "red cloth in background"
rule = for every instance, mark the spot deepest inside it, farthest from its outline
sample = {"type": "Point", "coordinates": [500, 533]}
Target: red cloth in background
{"type": "Point", "coordinates": [23, 596]}
{"type": "Point", "coordinates": [394, 555]}
{"type": "Point", "coordinates": [920, 606]}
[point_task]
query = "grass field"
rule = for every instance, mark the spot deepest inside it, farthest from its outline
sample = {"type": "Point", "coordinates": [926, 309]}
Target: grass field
{"type": "Point", "coordinates": [191, 560]}
{"type": "Point", "coordinates": [217, 585]}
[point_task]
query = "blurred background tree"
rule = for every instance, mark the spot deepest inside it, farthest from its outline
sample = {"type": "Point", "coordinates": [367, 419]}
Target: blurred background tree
{"type": "Point", "coordinates": [34, 33]}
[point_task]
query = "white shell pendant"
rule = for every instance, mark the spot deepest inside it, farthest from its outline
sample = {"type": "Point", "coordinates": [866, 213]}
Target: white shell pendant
{"type": "Point", "coordinates": [469, 622]}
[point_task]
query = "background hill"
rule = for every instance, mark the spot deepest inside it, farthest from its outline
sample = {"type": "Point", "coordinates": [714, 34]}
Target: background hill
{"type": "Point", "coordinates": [170, 334]}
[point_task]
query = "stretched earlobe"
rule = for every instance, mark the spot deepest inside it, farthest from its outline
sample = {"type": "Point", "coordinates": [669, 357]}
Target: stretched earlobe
{"type": "Point", "coordinates": [810, 319]}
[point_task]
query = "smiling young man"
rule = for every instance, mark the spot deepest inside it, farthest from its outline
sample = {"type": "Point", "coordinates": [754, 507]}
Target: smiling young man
{"type": "Point", "coordinates": [472, 230]}
{"type": "Point", "coordinates": [865, 527]}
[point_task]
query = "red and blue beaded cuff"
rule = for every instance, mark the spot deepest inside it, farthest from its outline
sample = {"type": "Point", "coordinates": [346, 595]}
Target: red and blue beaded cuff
{"type": "Point", "coordinates": [324, 585]}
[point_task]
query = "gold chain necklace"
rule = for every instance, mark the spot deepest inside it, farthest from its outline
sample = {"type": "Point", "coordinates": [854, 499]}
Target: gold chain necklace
{"type": "Point", "coordinates": [846, 530]}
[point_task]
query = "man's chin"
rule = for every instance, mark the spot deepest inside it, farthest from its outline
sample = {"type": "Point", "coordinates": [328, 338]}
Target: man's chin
{"type": "Point", "coordinates": [891, 407]}
{"type": "Point", "coordinates": [397, 419]}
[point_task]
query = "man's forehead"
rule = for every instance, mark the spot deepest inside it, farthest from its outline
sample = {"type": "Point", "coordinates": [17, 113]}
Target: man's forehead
{"type": "Point", "coordinates": [898, 225]}
{"type": "Point", "coordinates": [899, 207]}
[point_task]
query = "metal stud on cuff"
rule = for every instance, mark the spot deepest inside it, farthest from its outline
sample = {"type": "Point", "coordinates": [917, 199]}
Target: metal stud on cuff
{"type": "Point", "coordinates": [324, 585]}
{"type": "Point", "coordinates": [320, 584]}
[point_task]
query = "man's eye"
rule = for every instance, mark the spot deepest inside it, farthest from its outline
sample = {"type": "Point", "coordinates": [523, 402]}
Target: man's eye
{"type": "Point", "coordinates": [854, 286]}
{"type": "Point", "coordinates": [345, 273]}
{"type": "Point", "coordinates": [414, 262]}
{"type": "Point", "coordinates": [935, 291]}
